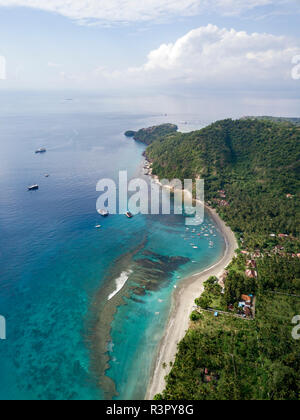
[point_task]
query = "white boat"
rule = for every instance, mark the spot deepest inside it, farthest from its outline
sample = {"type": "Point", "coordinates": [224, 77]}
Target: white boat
{"type": "Point", "coordinates": [33, 187]}
{"type": "Point", "coordinates": [103, 212]}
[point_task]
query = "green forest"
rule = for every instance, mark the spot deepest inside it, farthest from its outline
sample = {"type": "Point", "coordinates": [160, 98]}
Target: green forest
{"type": "Point", "coordinates": [149, 135]}
{"type": "Point", "coordinates": [255, 163]}
{"type": "Point", "coordinates": [295, 121]}
{"type": "Point", "coordinates": [251, 169]}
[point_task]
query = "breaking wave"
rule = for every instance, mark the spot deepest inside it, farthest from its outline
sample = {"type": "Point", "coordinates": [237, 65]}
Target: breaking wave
{"type": "Point", "coordinates": [120, 283]}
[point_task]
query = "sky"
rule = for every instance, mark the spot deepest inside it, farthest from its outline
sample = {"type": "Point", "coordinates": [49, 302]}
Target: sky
{"type": "Point", "coordinates": [243, 51]}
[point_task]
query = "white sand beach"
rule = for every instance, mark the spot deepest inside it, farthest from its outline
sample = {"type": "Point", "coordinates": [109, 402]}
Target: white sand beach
{"type": "Point", "coordinates": [182, 306]}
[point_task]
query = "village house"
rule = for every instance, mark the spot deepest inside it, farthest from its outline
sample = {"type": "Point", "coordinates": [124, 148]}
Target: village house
{"type": "Point", "coordinates": [251, 263]}
{"type": "Point", "coordinates": [208, 376]}
{"type": "Point", "coordinates": [222, 194]}
{"type": "Point", "coordinates": [247, 311]}
{"type": "Point", "coordinates": [246, 305]}
{"type": "Point", "coordinates": [257, 254]}
{"type": "Point", "coordinates": [222, 203]}
{"type": "Point", "coordinates": [252, 274]}
{"type": "Point", "coordinates": [247, 299]}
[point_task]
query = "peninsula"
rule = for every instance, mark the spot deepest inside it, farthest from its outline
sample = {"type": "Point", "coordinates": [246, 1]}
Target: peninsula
{"type": "Point", "coordinates": [149, 135]}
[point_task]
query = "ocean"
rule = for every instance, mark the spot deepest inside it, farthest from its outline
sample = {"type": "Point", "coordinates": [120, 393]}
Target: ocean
{"type": "Point", "coordinates": [85, 308]}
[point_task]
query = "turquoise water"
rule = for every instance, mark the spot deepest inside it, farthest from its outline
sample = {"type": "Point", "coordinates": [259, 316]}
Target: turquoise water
{"type": "Point", "coordinates": [138, 327]}
{"type": "Point", "coordinates": [57, 271]}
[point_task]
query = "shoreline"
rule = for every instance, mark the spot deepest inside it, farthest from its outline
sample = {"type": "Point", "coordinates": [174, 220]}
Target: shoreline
{"type": "Point", "coordinates": [182, 306]}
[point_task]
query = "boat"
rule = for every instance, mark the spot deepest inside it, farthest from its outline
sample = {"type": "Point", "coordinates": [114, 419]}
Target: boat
{"type": "Point", "coordinates": [47, 175]}
{"type": "Point", "coordinates": [98, 226]}
{"type": "Point", "coordinates": [33, 187]}
{"type": "Point", "coordinates": [103, 212]}
{"type": "Point", "coordinates": [129, 215]}
{"type": "Point", "coordinates": [41, 150]}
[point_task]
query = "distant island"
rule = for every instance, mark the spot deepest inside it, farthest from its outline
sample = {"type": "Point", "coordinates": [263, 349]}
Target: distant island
{"type": "Point", "coordinates": [149, 135]}
{"type": "Point", "coordinates": [239, 345]}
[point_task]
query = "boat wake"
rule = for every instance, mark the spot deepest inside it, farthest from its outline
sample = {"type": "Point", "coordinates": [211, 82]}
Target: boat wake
{"type": "Point", "coordinates": [120, 283]}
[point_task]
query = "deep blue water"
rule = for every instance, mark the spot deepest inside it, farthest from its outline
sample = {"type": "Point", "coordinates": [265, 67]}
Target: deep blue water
{"type": "Point", "coordinates": [56, 268]}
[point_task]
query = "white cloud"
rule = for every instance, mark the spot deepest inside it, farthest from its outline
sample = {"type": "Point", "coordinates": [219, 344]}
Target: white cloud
{"type": "Point", "coordinates": [210, 56]}
{"type": "Point", "coordinates": [120, 11]}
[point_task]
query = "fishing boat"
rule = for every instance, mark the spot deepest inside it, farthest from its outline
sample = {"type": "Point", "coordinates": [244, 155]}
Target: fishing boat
{"type": "Point", "coordinates": [129, 215]}
{"type": "Point", "coordinates": [103, 212]}
{"type": "Point", "coordinates": [41, 150]}
{"type": "Point", "coordinates": [33, 187]}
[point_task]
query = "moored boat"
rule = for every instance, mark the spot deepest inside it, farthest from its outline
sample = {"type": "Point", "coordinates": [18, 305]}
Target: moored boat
{"type": "Point", "coordinates": [103, 212]}
{"type": "Point", "coordinates": [33, 187]}
{"type": "Point", "coordinates": [41, 150]}
{"type": "Point", "coordinates": [129, 215]}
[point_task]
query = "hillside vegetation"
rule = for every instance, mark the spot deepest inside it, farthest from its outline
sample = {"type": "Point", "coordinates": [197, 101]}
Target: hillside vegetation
{"type": "Point", "coordinates": [149, 135]}
{"type": "Point", "coordinates": [286, 120]}
{"type": "Point", "coordinates": [251, 169]}
{"type": "Point", "coordinates": [255, 163]}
